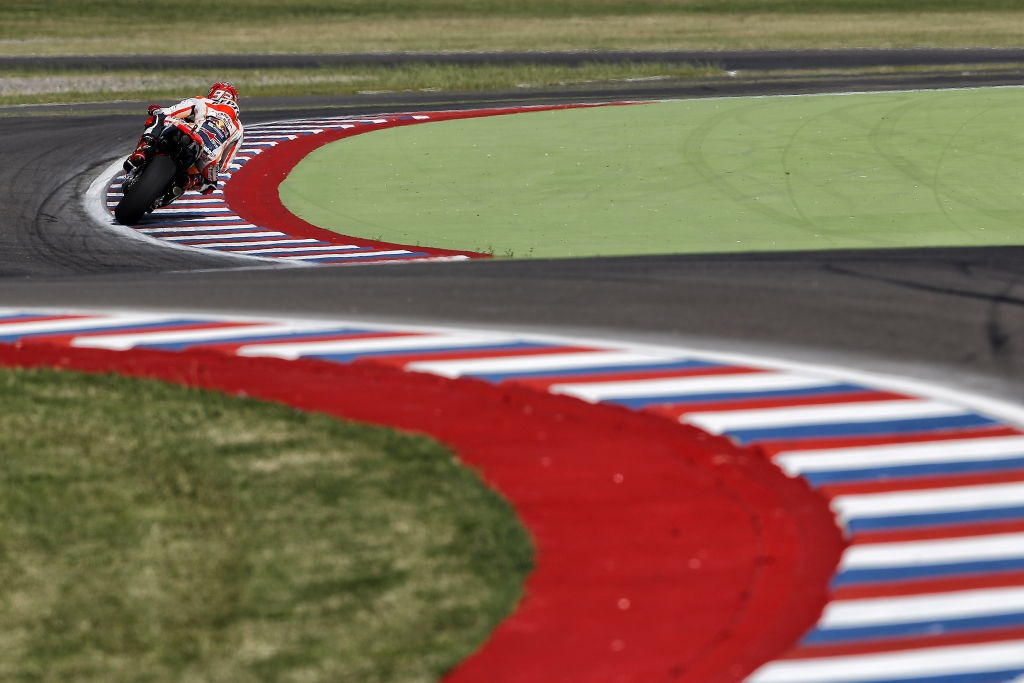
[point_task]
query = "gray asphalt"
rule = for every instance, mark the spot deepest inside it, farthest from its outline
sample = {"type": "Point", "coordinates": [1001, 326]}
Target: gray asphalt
{"type": "Point", "coordinates": [953, 316]}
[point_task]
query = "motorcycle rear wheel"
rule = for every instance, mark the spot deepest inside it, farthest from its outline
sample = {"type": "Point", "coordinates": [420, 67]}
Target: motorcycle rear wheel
{"type": "Point", "coordinates": [140, 197]}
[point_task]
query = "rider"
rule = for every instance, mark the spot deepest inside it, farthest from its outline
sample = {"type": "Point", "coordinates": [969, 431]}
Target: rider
{"type": "Point", "coordinates": [215, 125]}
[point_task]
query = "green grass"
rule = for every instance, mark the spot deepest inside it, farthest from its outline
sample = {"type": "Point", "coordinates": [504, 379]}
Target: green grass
{"type": "Point", "coordinates": [133, 27]}
{"type": "Point", "coordinates": [154, 533]}
{"type": "Point", "coordinates": [128, 11]}
{"type": "Point", "coordinates": [744, 174]}
{"type": "Point", "coordinates": [96, 27]}
{"type": "Point", "coordinates": [22, 87]}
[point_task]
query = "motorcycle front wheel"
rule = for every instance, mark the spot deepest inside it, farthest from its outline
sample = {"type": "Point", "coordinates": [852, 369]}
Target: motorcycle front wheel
{"type": "Point", "coordinates": [142, 195]}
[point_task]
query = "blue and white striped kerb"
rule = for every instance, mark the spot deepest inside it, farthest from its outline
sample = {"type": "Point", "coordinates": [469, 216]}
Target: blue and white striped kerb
{"type": "Point", "coordinates": [207, 222]}
{"type": "Point", "coordinates": [927, 484]}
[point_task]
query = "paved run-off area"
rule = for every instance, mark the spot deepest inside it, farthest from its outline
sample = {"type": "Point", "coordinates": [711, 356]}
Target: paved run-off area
{"type": "Point", "coordinates": [916, 168]}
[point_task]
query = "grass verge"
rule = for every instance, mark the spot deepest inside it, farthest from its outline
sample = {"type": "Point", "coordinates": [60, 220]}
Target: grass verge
{"type": "Point", "coordinates": [94, 27]}
{"type": "Point", "coordinates": [654, 31]}
{"type": "Point", "coordinates": [21, 87]}
{"type": "Point", "coordinates": [151, 532]}
{"type": "Point", "coordinates": [119, 26]}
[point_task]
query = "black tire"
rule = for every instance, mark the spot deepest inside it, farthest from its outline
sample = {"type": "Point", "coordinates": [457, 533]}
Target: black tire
{"type": "Point", "coordinates": [150, 186]}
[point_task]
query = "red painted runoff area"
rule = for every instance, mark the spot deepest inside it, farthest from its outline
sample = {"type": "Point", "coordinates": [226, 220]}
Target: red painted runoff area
{"type": "Point", "coordinates": [663, 553]}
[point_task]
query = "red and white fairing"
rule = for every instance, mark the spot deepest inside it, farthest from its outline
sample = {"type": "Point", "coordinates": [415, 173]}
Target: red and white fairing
{"type": "Point", "coordinates": [215, 126]}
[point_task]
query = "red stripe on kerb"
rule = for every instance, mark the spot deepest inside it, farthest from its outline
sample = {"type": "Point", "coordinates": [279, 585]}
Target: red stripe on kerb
{"type": "Point", "coordinates": [662, 553]}
{"type": "Point", "coordinates": [598, 377]}
{"type": "Point", "coordinates": [777, 447]}
{"type": "Point", "coordinates": [678, 411]}
{"type": "Point", "coordinates": [908, 644]}
{"type": "Point", "coordinates": [986, 579]}
{"type": "Point", "coordinates": [400, 361]}
{"type": "Point", "coordinates": [44, 318]}
{"type": "Point", "coordinates": [932, 533]}
{"type": "Point", "coordinates": [62, 339]}
{"type": "Point", "coordinates": [295, 338]}
{"type": "Point", "coordinates": [924, 483]}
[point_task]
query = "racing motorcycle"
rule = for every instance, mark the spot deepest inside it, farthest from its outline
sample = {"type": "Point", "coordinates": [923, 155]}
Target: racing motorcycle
{"type": "Point", "coordinates": [166, 173]}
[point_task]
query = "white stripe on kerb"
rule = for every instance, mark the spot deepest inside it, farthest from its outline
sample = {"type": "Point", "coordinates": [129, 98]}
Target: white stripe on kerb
{"type": "Point", "coordinates": [173, 221]}
{"type": "Point", "coordinates": [922, 608]}
{"type": "Point", "coordinates": [187, 209]}
{"type": "Point", "coordinates": [929, 552]}
{"type": "Point", "coordinates": [685, 386]}
{"type": "Point", "coordinates": [201, 199]}
{"type": "Point", "coordinates": [864, 457]}
{"type": "Point", "coordinates": [356, 255]}
{"type": "Point", "coordinates": [298, 247]}
{"type": "Point", "coordinates": [540, 363]}
{"type": "Point", "coordinates": [127, 341]}
{"type": "Point", "coordinates": [197, 228]}
{"type": "Point", "coordinates": [261, 243]}
{"type": "Point", "coordinates": [55, 326]}
{"type": "Point", "coordinates": [409, 343]}
{"type": "Point", "coordinates": [893, 666]}
{"type": "Point", "coordinates": [215, 235]}
{"type": "Point", "coordinates": [929, 501]}
{"type": "Point", "coordinates": [870, 411]}
{"type": "Point", "coordinates": [270, 136]}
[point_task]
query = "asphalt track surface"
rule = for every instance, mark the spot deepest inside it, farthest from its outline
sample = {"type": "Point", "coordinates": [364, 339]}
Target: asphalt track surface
{"type": "Point", "coordinates": [952, 316]}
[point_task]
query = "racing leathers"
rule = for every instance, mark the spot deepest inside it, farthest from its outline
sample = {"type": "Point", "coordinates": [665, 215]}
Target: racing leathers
{"type": "Point", "coordinates": [215, 127]}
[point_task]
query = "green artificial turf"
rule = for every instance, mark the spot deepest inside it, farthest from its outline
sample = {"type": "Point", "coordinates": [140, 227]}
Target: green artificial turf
{"type": "Point", "coordinates": [154, 533]}
{"type": "Point", "coordinates": [936, 168]}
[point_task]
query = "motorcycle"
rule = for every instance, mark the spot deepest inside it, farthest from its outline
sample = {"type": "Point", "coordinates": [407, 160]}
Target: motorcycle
{"type": "Point", "coordinates": [164, 176]}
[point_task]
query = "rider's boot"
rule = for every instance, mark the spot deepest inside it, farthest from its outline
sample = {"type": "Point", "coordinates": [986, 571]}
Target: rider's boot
{"type": "Point", "coordinates": [139, 156]}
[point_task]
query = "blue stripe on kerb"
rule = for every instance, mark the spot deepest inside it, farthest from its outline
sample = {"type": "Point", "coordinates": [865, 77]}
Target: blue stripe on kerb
{"type": "Point", "coordinates": [298, 242]}
{"type": "Point", "coordinates": [937, 519]}
{"type": "Point", "coordinates": [86, 328]}
{"type": "Point", "coordinates": [1004, 676]}
{"type": "Point", "coordinates": [209, 237]}
{"type": "Point", "coordinates": [182, 222]}
{"type": "Point", "coordinates": [390, 257]}
{"type": "Point", "coordinates": [876, 428]}
{"type": "Point", "coordinates": [281, 337]}
{"type": "Point", "coordinates": [855, 577]}
{"type": "Point", "coordinates": [1001, 676]}
{"type": "Point", "coordinates": [829, 636]}
{"type": "Point", "coordinates": [722, 397]}
{"type": "Point", "coordinates": [817, 479]}
{"type": "Point", "coordinates": [172, 231]}
{"type": "Point", "coordinates": [23, 316]}
{"type": "Point", "coordinates": [427, 350]}
{"type": "Point", "coordinates": [596, 369]}
{"type": "Point", "coordinates": [270, 252]}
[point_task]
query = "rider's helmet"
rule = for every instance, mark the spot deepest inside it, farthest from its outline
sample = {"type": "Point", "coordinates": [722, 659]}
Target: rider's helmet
{"type": "Point", "coordinates": [222, 90]}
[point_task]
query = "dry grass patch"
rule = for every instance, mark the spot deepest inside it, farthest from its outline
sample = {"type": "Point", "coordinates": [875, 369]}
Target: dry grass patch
{"type": "Point", "coordinates": [638, 31]}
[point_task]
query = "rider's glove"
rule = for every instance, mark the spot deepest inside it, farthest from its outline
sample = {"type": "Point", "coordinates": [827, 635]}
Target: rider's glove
{"type": "Point", "coordinates": [151, 118]}
{"type": "Point", "coordinates": [210, 178]}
